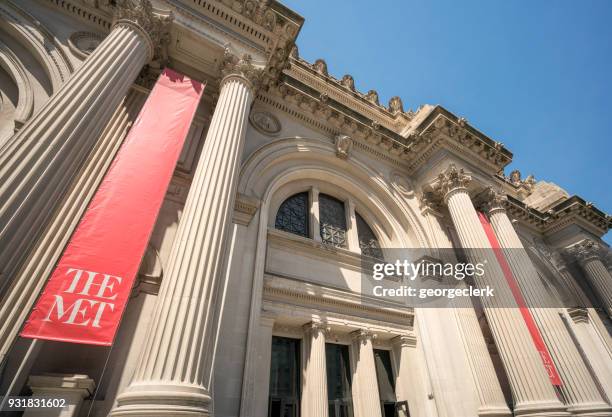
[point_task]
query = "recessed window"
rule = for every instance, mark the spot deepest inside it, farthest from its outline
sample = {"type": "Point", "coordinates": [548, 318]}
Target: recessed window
{"type": "Point", "coordinates": [284, 378]}
{"type": "Point", "coordinates": [296, 213]}
{"type": "Point", "coordinates": [368, 243]}
{"type": "Point", "coordinates": [292, 215]}
{"type": "Point", "coordinates": [333, 220]}
{"type": "Point", "coordinates": [386, 382]}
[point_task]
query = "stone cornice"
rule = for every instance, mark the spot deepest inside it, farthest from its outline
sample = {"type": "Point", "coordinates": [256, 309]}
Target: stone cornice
{"type": "Point", "coordinates": [442, 129]}
{"type": "Point", "coordinates": [245, 208]}
{"type": "Point", "coordinates": [343, 91]}
{"type": "Point", "coordinates": [310, 295]}
{"type": "Point", "coordinates": [574, 210]}
{"type": "Point", "coordinates": [100, 16]}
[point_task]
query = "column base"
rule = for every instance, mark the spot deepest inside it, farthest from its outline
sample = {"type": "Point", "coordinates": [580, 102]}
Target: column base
{"type": "Point", "coordinates": [541, 409]}
{"type": "Point", "coordinates": [168, 400]}
{"type": "Point", "coordinates": [494, 411]}
{"type": "Point", "coordinates": [591, 410]}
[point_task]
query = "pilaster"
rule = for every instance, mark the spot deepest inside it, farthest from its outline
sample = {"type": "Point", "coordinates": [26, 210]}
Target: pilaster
{"type": "Point", "coordinates": [314, 401]}
{"type": "Point", "coordinates": [365, 383]}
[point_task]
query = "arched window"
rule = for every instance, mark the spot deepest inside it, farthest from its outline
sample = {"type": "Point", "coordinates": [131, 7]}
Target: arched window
{"type": "Point", "coordinates": [292, 215]}
{"type": "Point", "coordinates": [333, 220]}
{"type": "Point", "coordinates": [368, 243]}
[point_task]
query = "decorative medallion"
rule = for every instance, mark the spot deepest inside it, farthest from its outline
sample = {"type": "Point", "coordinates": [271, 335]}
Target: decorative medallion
{"type": "Point", "coordinates": [402, 184]}
{"type": "Point", "coordinates": [265, 122]}
{"type": "Point", "coordinates": [83, 43]}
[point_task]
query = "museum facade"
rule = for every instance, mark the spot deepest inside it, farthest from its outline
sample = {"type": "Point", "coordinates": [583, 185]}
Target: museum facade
{"type": "Point", "coordinates": [250, 298]}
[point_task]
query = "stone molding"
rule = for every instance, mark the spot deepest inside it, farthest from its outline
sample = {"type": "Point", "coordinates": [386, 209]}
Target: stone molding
{"type": "Point", "coordinates": [578, 314]}
{"type": "Point", "coordinates": [294, 292]}
{"type": "Point", "coordinates": [245, 208]}
{"type": "Point", "coordinates": [571, 211]}
{"type": "Point", "coordinates": [404, 341]}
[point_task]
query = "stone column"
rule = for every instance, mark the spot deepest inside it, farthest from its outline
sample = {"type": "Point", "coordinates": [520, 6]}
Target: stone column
{"type": "Point", "coordinates": [365, 383]}
{"type": "Point", "coordinates": [71, 388]}
{"type": "Point", "coordinates": [39, 162]}
{"type": "Point", "coordinates": [490, 396]}
{"type": "Point", "coordinates": [314, 402]}
{"type": "Point", "coordinates": [578, 387]}
{"type": "Point", "coordinates": [174, 376]}
{"type": "Point", "coordinates": [588, 254]}
{"type": "Point", "coordinates": [32, 275]}
{"type": "Point", "coordinates": [532, 391]}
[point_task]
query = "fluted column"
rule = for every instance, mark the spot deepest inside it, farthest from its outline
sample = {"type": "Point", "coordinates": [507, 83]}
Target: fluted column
{"type": "Point", "coordinates": [365, 383]}
{"type": "Point", "coordinates": [588, 254]}
{"type": "Point", "coordinates": [38, 163]}
{"type": "Point", "coordinates": [532, 391]}
{"type": "Point", "coordinates": [314, 401]}
{"type": "Point", "coordinates": [174, 375]}
{"type": "Point", "coordinates": [578, 386]}
{"type": "Point", "coordinates": [30, 278]}
{"type": "Point", "coordinates": [490, 395]}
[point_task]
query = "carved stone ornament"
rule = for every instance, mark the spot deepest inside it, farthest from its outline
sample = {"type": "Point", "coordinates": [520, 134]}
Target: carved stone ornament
{"type": "Point", "coordinates": [320, 66]}
{"type": "Point", "coordinates": [363, 335]}
{"type": "Point", "coordinates": [316, 327]}
{"type": "Point", "coordinates": [265, 122]}
{"type": "Point", "coordinates": [451, 179]}
{"type": "Point", "coordinates": [493, 200]}
{"type": "Point", "coordinates": [372, 97]}
{"type": "Point", "coordinates": [83, 43]}
{"type": "Point", "coordinates": [243, 67]}
{"type": "Point", "coordinates": [348, 82]}
{"type": "Point", "coordinates": [396, 105]}
{"type": "Point", "coordinates": [295, 52]}
{"type": "Point", "coordinates": [515, 177]}
{"type": "Point", "coordinates": [344, 144]}
{"type": "Point", "coordinates": [156, 27]}
{"type": "Point", "coordinates": [402, 184]}
{"type": "Point", "coordinates": [585, 250]}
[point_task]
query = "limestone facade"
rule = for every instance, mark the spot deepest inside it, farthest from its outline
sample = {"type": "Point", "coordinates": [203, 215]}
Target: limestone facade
{"type": "Point", "coordinates": [289, 177]}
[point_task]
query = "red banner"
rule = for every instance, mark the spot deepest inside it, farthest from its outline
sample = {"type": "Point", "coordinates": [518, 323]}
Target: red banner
{"type": "Point", "coordinates": [85, 297]}
{"type": "Point", "coordinates": [520, 301]}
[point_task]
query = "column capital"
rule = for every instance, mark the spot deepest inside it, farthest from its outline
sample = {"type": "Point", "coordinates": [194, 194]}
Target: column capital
{"type": "Point", "coordinates": [315, 327]}
{"type": "Point", "coordinates": [363, 335]}
{"type": "Point", "coordinates": [585, 250]}
{"type": "Point", "coordinates": [493, 201]}
{"type": "Point", "coordinates": [450, 180]}
{"type": "Point", "coordinates": [233, 66]}
{"type": "Point", "coordinates": [154, 28]}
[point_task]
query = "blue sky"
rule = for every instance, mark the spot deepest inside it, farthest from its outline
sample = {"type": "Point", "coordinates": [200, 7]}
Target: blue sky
{"type": "Point", "coordinates": [533, 74]}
